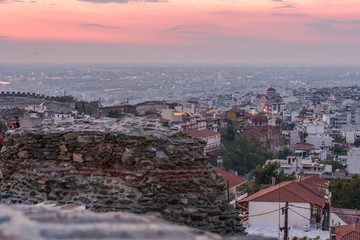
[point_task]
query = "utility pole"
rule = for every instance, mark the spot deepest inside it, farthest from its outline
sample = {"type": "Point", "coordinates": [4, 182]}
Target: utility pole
{"type": "Point", "coordinates": [286, 227]}
{"type": "Point", "coordinates": [228, 191]}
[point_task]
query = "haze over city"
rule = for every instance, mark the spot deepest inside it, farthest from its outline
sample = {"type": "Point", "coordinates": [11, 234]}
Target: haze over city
{"type": "Point", "coordinates": [180, 119]}
{"type": "Point", "coordinates": [202, 32]}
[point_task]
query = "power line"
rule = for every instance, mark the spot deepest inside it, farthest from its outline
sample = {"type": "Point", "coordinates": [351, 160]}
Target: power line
{"type": "Point", "coordinates": [299, 214]}
{"type": "Point", "coordinates": [347, 214]}
{"type": "Point", "coordinates": [260, 214]}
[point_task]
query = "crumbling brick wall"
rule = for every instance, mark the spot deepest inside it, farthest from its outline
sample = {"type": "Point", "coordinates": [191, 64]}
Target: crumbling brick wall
{"type": "Point", "coordinates": [132, 166]}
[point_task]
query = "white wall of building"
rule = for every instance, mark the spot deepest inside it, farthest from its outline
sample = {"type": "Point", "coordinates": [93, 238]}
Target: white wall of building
{"type": "Point", "coordinates": [315, 129]}
{"type": "Point", "coordinates": [213, 142]}
{"type": "Point", "coordinates": [353, 161]}
{"type": "Point", "coordinates": [320, 141]}
{"type": "Point", "coordinates": [351, 136]}
{"type": "Point", "coordinates": [272, 219]}
{"type": "Point", "coordinates": [335, 220]}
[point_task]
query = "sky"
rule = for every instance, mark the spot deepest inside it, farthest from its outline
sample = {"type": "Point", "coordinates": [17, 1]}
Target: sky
{"type": "Point", "coordinates": [295, 32]}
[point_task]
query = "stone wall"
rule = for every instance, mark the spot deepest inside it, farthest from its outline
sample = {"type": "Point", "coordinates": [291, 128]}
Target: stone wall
{"type": "Point", "coordinates": [21, 100]}
{"type": "Point", "coordinates": [125, 165]}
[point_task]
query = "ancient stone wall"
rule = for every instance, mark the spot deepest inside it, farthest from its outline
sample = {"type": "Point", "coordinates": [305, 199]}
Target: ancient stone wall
{"type": "Point", "coordinates": [129, 164]}
{"type": "Point", "coordinates": [20, 99]}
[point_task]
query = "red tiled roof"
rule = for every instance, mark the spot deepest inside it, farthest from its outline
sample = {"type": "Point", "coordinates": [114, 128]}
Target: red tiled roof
{"type": "Point", "coordinates": [258, 118]}
{"type": "Point", "coordinates": [260, 130]}
{"type": "Point", "coordinates": [304, 146]}
{"type": "Point", "coordinates": [233, 179]}
{"type": "Point", "coordinates": [347, 232]}
{"type": "Point", "coordinates": [347, 215]}
{"type": "Point", "coordinates": [306, 190]}
{"type": "Point", "coordinates": [201, 133]}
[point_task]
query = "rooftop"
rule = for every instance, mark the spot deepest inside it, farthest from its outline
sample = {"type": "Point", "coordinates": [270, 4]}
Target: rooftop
{"type": "Point", "coordinates": [308, 190]}
{"type": "Point", "coordinates": [233, 179]}
{"type": "Point", "coordinates": [201, 133]}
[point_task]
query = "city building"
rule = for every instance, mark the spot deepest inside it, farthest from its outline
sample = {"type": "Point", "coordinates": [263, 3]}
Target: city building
{"type": "Point", "coordinates": [211, 138]}
{"type": "Point", "coordinates": [308, 199]}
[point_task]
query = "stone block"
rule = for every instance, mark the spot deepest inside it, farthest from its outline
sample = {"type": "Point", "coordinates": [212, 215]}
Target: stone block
{"type": "Point", "coordinates": [77, 157]}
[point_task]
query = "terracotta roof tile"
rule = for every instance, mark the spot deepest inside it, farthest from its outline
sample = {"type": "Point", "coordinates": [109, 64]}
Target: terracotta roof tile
{"type": "Point", "coordinates": [347, 232]}
{"type": "Point", "coordinates": [233, 179]}
{"type": "Point", "coordinates": [201, 133]}
{"type": "Point", "coordinates": [308, 190]}
{"type": "Point", "coordinates": [305, 146]}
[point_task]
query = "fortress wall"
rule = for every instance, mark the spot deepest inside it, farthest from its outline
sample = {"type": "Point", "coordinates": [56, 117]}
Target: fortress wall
{"type": "Point", "coordinates": [21, 99]}
{"type": "Point", "coordinates": [140, 168]}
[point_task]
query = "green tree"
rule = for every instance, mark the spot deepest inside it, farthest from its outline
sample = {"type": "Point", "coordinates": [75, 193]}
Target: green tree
{"type": "Point", "coordinates": [243, 154]}
{"type": "Point", "coordinates": [264, 174]}
{"type": "Point", "coordinates": [283, 153]}
{"type": "Point", "coordinates": [357, 143]}
{"type": "Point", "coordinates": [346, 193]}
{"type": "Point", "coordinates": [263, 177]}
{"type": "Point", "coordinates": [281, 176]}
{"type": "Point", "coordinates": [339, 139]}
{"type": "Point", "coordinates": [339, 151]}
{"type": "Point", "coordinates": [290, 126]}
{"type": "Point", "coordinates": [229, 132]}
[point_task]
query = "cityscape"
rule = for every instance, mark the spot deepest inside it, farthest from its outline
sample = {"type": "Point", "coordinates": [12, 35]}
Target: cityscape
{"type": "Point", "coordinates": [179, 120]}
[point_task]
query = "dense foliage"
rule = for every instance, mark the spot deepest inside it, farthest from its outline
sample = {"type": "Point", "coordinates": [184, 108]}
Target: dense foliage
{"type": "Point", "coordinates": [242, 153]}
{"type": "Point", "coordinates": [339, 151]}
{"type": "Point", "coordinates": [357, 143]}
{"type": "Point", "coordinates": [263, 175]}
{"type": "Point", "coordinates": [346, 193]}
{"type": "Point", "coordinates": [305, 238]}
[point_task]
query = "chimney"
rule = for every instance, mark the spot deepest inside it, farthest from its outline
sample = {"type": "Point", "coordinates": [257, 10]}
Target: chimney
{"type": "Point", "coordinates": [273, 181]}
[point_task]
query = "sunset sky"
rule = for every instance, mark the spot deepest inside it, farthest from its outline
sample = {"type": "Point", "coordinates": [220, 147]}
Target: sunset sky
{"type": "Point", "coordinates": [181, 31]}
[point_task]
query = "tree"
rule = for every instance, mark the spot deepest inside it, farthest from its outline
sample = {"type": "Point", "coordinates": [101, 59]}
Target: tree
{"type": "Point", "coordinates": [243, 154]}
{"type": "Point", "coordinates": [229, 133]}
{"type": "Point", "coordinates": [283, 153]}
{"type": "Point", "coordinates": [339, 139]}
{"type": "Point", "coordinates": [282, 176]}
{"type": "Point", "coordinates": [263, 177]}
{"type": "Point", "coordinates": [264, 174]}
{"type": "Point", "coordinates": [339, 151]}
{"type": "Point", "coordinates": [290, 126]}
{"type": "Point", "coordinates": [345, 193]}
{"type": "Point", "coordinates": [357, 143]}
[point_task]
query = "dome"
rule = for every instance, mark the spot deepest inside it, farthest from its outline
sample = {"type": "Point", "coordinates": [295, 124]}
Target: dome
{"type": "Point", "coordinates": [271, 90]}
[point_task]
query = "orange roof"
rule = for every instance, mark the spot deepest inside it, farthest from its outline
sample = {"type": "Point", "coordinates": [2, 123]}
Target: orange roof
{"type": "Point", "coordinates": [304, 146]}
{"type": "Point", "coordinates": [346, 232]}
{"type": "Point", "coordinates": [233, 179]}
{"type": "Point", "coordinates": [308, 190]}
{"type": "Point", "coordinates": [201, 133]}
